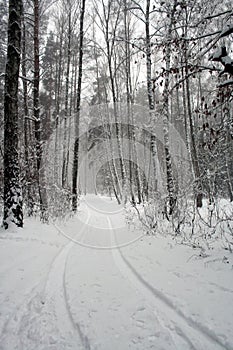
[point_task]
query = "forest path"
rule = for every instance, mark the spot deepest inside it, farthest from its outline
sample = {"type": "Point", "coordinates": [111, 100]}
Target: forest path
{"type": "Point", "coordinates": [81, 285]}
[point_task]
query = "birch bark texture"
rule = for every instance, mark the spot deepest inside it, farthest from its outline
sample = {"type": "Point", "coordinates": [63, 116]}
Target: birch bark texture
{"type": "Point", "coordinates": [168, 159]}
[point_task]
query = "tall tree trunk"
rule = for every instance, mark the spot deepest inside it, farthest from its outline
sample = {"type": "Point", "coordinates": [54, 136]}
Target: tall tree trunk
{"type": "Point", "coordinates": [107, 127]}
{"type": "Point", "coordinates": [150, 93]}
{"type": "Point", "coordinates": [13, 211]}
{"type": "Point", "coordinates": [128, 100]}
{"type": "Point", "coordinates": [112, 167]}
{"type": "Point", "coordinates": [168, 160]}
{"type": "Point", "coordinates": [74, 59]}
{"type": "Point", "coordinates": [27, 129]}
{"type": "Point", "coordinates": [78, 106]}
{"type": "Point", "coordinates": [193, 148]}
{"type": "Point", "coordinates": [185, 111]}
{"type": "Point", "coordinates": [229, 149]}
{"type": "Point", "coordinates": [36, 107]}
{"type": "Point", "coordinates": [64, 172]}
{"type": "Point", "coordinates": [114, 95]}
{"type": "Point", "coordinates": [58, 102]}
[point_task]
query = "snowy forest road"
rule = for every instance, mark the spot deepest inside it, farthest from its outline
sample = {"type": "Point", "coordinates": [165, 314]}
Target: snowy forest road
{"type": "Point", "coordinates": [93, 283]}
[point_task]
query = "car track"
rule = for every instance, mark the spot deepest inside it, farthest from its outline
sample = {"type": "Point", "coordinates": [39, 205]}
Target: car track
{"type": "Point", "coordinates": [179, 324]}
{"type": "Point", "coordinates": [31, 321]}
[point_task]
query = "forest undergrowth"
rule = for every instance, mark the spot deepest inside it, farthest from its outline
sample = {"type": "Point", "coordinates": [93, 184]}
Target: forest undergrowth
{"type": "Point", "coordinates": [202, 228]}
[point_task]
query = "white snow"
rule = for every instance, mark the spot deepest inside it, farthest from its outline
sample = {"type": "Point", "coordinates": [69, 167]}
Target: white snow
{"type": "Point", "coordinates": [68, 286]}
{"type": "Point", "coordinates": [227, 30]}
{"type": "Point", "coordinates": [227, 60]}
{"type": "Point", "coordinates": [217, 54]}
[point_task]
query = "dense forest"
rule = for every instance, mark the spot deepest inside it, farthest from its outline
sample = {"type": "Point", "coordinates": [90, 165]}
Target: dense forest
{"type": "Point", "coordinates": [129, 99]}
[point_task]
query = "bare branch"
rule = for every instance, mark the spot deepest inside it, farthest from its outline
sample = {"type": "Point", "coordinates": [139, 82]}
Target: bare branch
{"type": "Point", "coordinates": [219, 14]}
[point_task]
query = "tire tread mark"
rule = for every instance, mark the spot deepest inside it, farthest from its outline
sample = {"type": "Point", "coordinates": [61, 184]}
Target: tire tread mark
{"type": "Point", "coordinates": [202, 329]}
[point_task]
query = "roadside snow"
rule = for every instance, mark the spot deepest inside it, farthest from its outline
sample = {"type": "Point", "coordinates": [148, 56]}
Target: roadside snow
{"type": "Point", "coordinates": [68, 287]}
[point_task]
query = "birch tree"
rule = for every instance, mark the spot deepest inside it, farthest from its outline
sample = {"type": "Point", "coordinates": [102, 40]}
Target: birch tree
{"type": "Point", "coordinates": [168, 160]}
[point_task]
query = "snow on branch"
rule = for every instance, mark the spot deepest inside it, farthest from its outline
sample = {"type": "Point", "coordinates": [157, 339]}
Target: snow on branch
{"type": "Point", "coordinates": [220, 55]}
{"type": "Point", "coordinates": [227, 30]}
{"type": "Point", "coordinates": [26, 79]}
{"type": "Point", "coordinates": [219, 14]}
{"type": "Point", "coordinates": [226, 83]}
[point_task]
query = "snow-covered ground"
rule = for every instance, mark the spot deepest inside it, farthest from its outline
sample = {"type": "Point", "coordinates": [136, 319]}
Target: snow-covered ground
{"type": "Point", "coordinates": [94, 283]}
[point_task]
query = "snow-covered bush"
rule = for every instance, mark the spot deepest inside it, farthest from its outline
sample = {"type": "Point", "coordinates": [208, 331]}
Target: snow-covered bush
{"type": "Point", "coordinates": [188, 225]}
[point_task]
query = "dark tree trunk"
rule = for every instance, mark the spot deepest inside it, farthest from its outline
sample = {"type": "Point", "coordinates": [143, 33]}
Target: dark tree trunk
{"type": "Point", "coordinates": [13, 211]}
{"type": "Point", "coordinates": [36, 107]}
{"type": "Point", "coordinates": [59, 73]}
{"type": "Point", "coordinates": [78, 105]}
{"type": "Point", "coordinates": [193, 148]}
{"type": "Point", "coordinates": [27, 129]}
{"type": "Point", "coordinates": [65, 150]}
{"type": "Point", "coordinates": [129, 100]}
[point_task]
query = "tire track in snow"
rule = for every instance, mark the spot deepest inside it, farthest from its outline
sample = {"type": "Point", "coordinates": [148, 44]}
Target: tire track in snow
{"type": "Point", "coordinates": [45, 303]}
{"type": "Point", "coordinates": [31, 293]}
{"type": "Point", "coordinates": [12, 329]}
{"type": "Point", "coordinates": [184, 326]}
{"type": "Point", "coordinates": [55, 293]}
{"type": "Point", "coordinates": [177, 335]}
{"type": "Point", "coordinates": [84, 339]}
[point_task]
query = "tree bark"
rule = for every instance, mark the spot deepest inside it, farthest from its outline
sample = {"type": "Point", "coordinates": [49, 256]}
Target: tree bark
{"type": "Point", "coordinates": [36, 108]}
{"type": "Point", "coordinates": [168, 160]}
{"type": "Point", "coordinates": [58, 103]}
{"type": "Point", "coordinates": [13, 211]}
{"type": "Point", "coordinates": [193, 149]}
{"type": "Point", "coordinates": [129, 102]}
{"type": "Point", "coordinates": [65, 150]}
{"type": "Point", "coordinates": [153, 145]}
{"type": "Point", "coordinates": [27, 130]}
{"type": "Point", "coordinates": [114, 94]}
{"type": "Point", "coordinates": [78, 106]}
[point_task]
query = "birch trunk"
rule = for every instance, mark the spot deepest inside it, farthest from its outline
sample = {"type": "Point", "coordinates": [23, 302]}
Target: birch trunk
{"type": "Point", "coordinates": [168, 160]}
{"type": "Point", "coordinates": [150, 93]}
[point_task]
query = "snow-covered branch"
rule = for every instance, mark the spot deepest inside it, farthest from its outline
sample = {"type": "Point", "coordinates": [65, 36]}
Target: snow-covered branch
{"type": "Point", "coordinates": [26, 79]}
{"type": "Point", "coordinates": [220, 55]}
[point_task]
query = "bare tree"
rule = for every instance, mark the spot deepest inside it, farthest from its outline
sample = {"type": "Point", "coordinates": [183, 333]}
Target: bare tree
{"type": "Point", "coordinates": [37, 117]}
{"type": "Point", "coordinates": [13, 211]}
{"type": "Point", "coordinates": [78, 107]}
